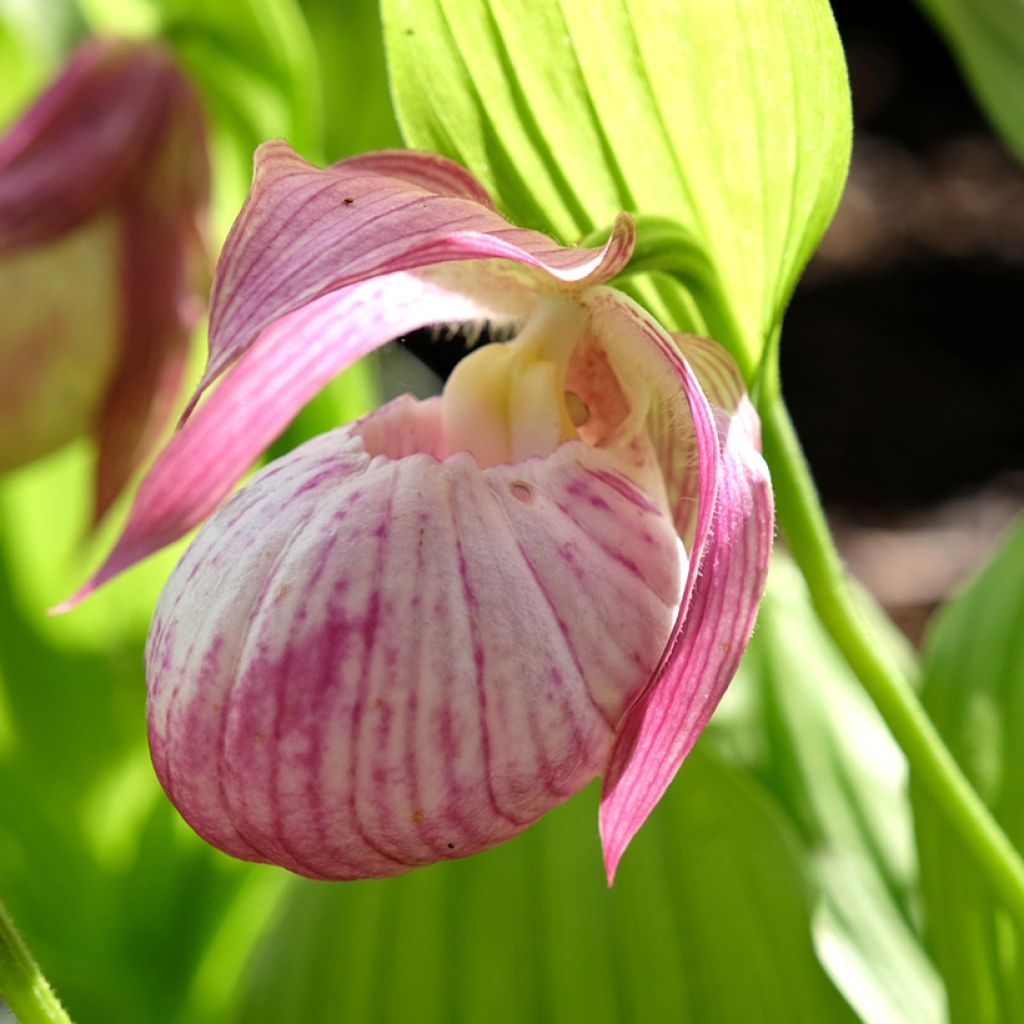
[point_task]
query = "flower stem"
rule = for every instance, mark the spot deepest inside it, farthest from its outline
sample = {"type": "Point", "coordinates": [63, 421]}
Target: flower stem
{"type": "Point", "coordinates": [22, 984]}
{"type": "Point", "coordinates": [933, 766]}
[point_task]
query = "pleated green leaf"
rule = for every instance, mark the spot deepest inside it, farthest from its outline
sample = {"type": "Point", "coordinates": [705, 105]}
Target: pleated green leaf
{"type": "Point", "coordinates": [708, 922]}
{"type": "Point", "coordinates": [122, 905]}
{"type": "Point", "coordinates": [731, 119]}
{"type": "Point", "coordinates": [974, 692]}
{"type": "Point", "coordinates": [987, 38]}
{"type": "Point", "coordinates": [357, 108]}
{"type": "Point", "coordinates": [798, 719]}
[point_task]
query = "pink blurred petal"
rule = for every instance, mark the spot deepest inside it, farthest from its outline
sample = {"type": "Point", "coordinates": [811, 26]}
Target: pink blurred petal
{"type": "Point", "coordinates": [660, 730]}
{"type": "Point", "coordinates": [290, 362]}
{"type": "Point", "coordinates": [163, 282]}
{"type": "Point", "coordinates": [86, 139]}
{"type": "Point", "coordinates": [305, 231]}
{"type": "Point", "coordinates": [117, 138]}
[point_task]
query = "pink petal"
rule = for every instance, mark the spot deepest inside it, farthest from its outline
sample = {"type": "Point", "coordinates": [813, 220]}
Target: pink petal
{"type": "Point", "coordinates": [305, 231]}
{"type": "Point", "coordinates": [291, 361]}
{"type": "Point", "coordinates": [360, 699]}
{"type": "Point", "coordinates": [428, 171]}
{"type": "Point", "coordinates": [661, 728]}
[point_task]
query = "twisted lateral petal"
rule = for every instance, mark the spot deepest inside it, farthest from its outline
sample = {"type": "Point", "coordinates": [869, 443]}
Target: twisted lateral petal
{"type": "Point", "coordinates": [163, 256]}
{"type": "Point", "coordinates": [305, 231]}
{"type": "Point", "coordinates": [659, 730]}
{"type": "Point", "coordinates": [404, 668]}
{"type": "Point", "coordinates": [291, 361]}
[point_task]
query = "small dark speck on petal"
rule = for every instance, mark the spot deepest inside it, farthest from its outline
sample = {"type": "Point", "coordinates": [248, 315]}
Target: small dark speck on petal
{"type": "Point", "coordinates": [348, 200]}
{"type": "Point", "coordinates": [451, 846]}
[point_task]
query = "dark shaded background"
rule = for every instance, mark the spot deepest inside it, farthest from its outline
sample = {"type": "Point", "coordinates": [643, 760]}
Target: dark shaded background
{"type": "Point", "coordinates": [902, 357]}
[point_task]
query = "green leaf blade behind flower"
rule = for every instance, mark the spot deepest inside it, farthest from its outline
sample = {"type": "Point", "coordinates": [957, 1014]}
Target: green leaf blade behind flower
{"type": "Point", "coordinates": [709, 921]}
{"type": "Point", "coordinates": [731, 119]}
{"type": "Point", "coordinates": [974, 691]}
{"type": "Point", "coordinates": [798, 719]}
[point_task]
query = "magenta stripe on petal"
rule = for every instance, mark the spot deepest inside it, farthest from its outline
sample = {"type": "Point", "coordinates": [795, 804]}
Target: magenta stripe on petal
{"type": "Point", "coordinates": [659, 732]}
{"type": "Point", "coordinates": [305, 231]}
{"type": "Point", "coordinates": [429, 171]}
{"type": "Point", "coordinates": [308, 714]}
{"type": "Point", "coordinates": [630, 334]}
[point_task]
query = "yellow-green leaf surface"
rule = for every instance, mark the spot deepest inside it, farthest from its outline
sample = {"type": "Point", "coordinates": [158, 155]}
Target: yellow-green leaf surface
{"type": "Point", "coordinates": [709, 921]}
{"type": "Point", "coordinates": [730, 118]}
{"type": "Point", "coordinates": [799, 720]}
{"type": "Point", "coordinates": [987, 38]}
{"type": "Point", "coordinates": [974, 691]}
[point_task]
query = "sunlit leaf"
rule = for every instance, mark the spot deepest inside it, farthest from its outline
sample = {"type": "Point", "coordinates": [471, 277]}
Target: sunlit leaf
{"type": "Point", "coordinates": [709, 921]}
{"type": "Point", "coordinates": [797, 717]}
{"type": "Point", "coordinates": [974, 691]}
{"type": "Point", "coordinates": [116, 897]}
{"type": "Point", "coordinates": [987, 37]}
{"type": "Point", "coordinates": [732, 119]}
{"type": "Point", "coordinates": [33, 39]}
{"type": "Point", "coordinates": [357, 108]}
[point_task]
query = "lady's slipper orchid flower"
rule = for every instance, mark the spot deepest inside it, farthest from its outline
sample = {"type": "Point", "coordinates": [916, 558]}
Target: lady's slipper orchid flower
{"type": "Point", "coordinates": [412, 636]}
{"type": "Point", "coordinates": [103, 190]}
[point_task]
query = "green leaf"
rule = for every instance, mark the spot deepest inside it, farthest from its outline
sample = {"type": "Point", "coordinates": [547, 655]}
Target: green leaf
{"type": "Point", "coordinates": [799, 720]}
{"type": "Point", "coordinates": [974, 692]}
{"type": "Point", "coordinates": [987, 39]}
{"type": "Point", "coordinates": [731, 119]}
{"type": "Point", "coordinates": [357, 108]}
{"type": "Point", "coordinates": [709, 921]}
{"type": "Point", "coordinates": [118, 899]}
{"type": "Point", "coordinates": [33, 39]}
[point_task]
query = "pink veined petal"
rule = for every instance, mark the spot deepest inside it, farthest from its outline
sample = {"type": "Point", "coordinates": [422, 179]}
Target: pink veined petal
{"type": "Point", "coordinates": [631, 335]}
{"type": "Point", "coordinates": [75, 148]}
{"type": "Point", "coordinates": [290, 362]}
{"type": "Point", "coordinates": [307, 714]}
{"type": "Point", "coordinates": [660, 729]}
{"type": "Point", "coordinates": [305, 231]}
{"type": "Point", "coordinates": [425, 170]}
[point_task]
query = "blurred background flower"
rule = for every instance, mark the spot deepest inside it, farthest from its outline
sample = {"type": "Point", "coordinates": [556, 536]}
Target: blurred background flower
{"type": "Point", "coordinates": [104, 183]}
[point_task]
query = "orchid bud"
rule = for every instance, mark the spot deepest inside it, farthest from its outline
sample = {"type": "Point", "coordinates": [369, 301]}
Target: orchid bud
{"type": "Point", "coordinates": [103, 191]}
{"type": "Point", "coordinates": [410, 637]}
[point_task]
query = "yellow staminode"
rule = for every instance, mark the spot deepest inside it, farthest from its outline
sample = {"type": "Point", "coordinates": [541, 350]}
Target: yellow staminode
{"type": "Point", "coordinates": [507, 402]}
